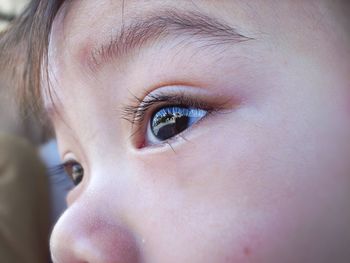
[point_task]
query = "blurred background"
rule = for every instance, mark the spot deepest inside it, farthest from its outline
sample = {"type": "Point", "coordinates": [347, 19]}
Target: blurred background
{"type": "Point", "coordinates": [10, 119]}
{"type": "Point", "coordinates": [32, 187]}
{"type": "Point", "coordinates": [9, 9]}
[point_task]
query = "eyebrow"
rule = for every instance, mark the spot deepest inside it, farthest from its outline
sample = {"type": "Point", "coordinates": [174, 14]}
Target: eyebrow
{"type": "Point", "coordinates": [165, 23]}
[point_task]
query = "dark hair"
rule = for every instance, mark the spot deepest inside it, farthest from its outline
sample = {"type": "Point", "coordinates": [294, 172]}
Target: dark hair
{"type": "Point", "coordinates": [23, 52]}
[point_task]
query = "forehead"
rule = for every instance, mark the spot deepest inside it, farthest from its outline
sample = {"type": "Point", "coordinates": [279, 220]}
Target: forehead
{"type": "Point", "coordinates": [279, 28]}
{"type": "Point", "coordinates": [81, 24]}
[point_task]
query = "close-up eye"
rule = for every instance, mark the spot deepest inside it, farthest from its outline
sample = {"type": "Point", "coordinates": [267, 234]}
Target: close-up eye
{"type": "Point", "coordinates": [166, 113]}
{"type": "Point", "coordinates": [75, 171]}
{"type": "Point", "coordinates": [170, 121]}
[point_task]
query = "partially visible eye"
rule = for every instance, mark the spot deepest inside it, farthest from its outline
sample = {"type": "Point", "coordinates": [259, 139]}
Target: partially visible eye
{"type": "Point", "coordinates": [75, 170]}
{"type": "Point", "coordinates": [169, 121]}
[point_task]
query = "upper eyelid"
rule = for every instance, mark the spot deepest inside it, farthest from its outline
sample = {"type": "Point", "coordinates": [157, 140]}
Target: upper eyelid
{"type": "Point", "coordinates": [68, 157]}
{"type": "Point", "coordinates": [132, 112]}
{"type": "Point", "coordinates": [136, 113]}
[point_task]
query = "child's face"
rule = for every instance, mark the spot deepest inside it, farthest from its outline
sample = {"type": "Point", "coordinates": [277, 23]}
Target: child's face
{"type": "Point", "coordinates": [260, 170]}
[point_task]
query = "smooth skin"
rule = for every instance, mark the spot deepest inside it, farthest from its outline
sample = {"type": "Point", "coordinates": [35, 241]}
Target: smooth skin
{"type": "Point", "coordinates": [265, 178]}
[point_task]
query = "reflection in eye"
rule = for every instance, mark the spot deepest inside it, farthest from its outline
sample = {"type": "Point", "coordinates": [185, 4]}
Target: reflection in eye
{"type": "Point", "coordinates": [75, 171]}
{"type": "Point", "coordinates": [170, 121]}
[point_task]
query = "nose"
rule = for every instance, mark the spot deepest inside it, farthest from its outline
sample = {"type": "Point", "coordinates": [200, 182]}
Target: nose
{"type": "Point", "coordinates": [87, 235]}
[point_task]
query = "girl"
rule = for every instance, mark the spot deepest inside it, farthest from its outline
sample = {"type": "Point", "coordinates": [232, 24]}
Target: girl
{"type": "Point", "coordinates": [195, 131]}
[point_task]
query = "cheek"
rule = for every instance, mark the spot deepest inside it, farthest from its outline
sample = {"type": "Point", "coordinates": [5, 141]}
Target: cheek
{"type": "Point", "coordinates": [220, 194]}
{"type": "Point", "coordinates": [247, 193]}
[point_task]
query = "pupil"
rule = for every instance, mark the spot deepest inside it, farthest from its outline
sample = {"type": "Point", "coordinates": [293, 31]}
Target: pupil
{"type": "Point", "coordinates": [170, 121]}
{"type": "Point", "coordinates": [170, 125]}
{"type": "Point", "coordinates": [77, 174]}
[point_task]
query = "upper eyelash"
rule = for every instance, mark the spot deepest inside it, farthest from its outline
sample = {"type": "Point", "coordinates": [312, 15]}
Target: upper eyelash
{"type": "Point", "coordinates": [136, 114]}
{"type": "Point", "coordinates": [60, 168]}
{"type": "Point", "coordinates": [58, 173]}
{"type": "Point", "coordinates": [57, 169]}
